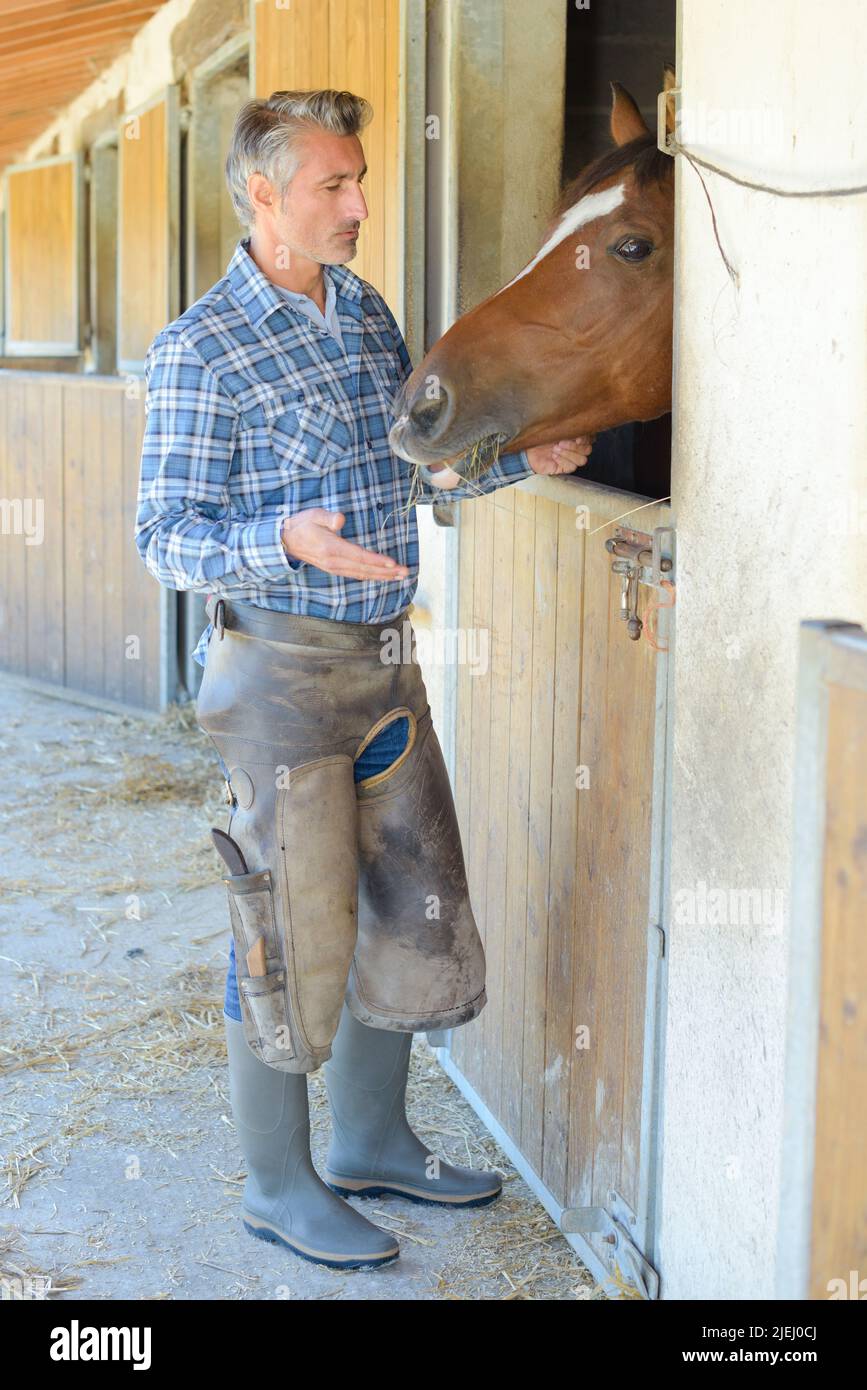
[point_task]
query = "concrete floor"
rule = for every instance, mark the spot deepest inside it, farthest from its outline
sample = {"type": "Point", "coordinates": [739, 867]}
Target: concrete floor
{"type": "Point", "coordinates": [121, 1172]}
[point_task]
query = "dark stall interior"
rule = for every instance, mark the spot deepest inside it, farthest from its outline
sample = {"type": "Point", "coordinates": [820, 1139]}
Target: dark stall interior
{"type": "Point", "coordinates": [626, 41]}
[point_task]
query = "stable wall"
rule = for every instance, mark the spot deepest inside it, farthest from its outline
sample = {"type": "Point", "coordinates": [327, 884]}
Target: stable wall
{"type": "Point", "coordinates": [770, 497]}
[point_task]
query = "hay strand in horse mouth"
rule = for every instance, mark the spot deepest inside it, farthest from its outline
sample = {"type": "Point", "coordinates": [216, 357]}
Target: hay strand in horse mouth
{"type": "Point", "coordinates": [480, 460]}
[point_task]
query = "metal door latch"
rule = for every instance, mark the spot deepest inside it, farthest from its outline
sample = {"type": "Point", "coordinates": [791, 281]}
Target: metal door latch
{"type": "Point", "coordinates": [640, 559]}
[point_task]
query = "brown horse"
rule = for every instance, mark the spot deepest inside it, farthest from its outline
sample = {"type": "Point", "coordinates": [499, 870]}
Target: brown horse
{"type": "Point", "coordinates": [579, 341]}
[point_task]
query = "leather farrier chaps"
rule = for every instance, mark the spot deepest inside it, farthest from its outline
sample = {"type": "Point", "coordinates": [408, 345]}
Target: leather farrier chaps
{"type": "Point", "coordinates": [341, 890]}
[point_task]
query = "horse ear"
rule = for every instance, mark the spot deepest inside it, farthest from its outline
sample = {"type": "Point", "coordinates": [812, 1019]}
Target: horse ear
{"type": "Point", "coordinates": [627, 122]}
{"type": "Point", "coordinates": [669, 81]}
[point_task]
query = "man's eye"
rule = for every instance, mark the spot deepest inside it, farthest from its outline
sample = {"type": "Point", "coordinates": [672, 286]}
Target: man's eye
{"type": "Point", "coordinates": [633, 248]}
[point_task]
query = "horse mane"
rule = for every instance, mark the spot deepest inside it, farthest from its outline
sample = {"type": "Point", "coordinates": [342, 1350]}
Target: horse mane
{"type": "Point", "coordinates": [649, 165]}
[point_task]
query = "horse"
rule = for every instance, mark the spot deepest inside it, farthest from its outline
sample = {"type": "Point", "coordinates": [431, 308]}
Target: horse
{"type": "Point", "coordinates": [579, 341]}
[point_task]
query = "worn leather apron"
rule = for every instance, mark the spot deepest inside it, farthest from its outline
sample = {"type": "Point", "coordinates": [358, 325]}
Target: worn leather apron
{"type": "Point", "coordinates": [348, 890]}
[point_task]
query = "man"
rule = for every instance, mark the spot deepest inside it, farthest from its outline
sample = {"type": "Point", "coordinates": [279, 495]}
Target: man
{"type": "Point", "coordinates": [267, 481]}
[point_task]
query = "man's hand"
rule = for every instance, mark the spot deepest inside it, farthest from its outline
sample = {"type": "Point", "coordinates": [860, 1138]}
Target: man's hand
{"type": "Point", "coordinates": [312, 536]}
{"type": "Point", "coordinates": [563, 457]}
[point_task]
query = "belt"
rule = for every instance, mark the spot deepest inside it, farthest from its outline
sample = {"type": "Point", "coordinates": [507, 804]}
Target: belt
{"type": "Point", "coordinates": [301, 628]}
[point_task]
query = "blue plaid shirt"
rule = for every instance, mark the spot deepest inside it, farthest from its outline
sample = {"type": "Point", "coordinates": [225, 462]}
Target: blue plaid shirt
{"type": "Point", "coordinates": [253, 413]}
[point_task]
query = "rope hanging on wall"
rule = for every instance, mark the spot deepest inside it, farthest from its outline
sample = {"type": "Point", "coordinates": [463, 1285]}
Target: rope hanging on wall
{"type": "Point", "coordinates": [674, 147]}
{"type": "Point", "coordinates": [670, 145]}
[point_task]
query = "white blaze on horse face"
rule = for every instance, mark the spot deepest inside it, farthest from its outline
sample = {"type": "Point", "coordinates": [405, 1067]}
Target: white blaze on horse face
{"type": "Point", "coordinates": [590, 207]}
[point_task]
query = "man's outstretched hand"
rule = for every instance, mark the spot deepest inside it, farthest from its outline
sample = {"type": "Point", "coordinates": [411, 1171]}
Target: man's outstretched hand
{"type": "Point", "coordinates": [314, 536]}
{"type": "Point", "coordinates": [563, 457]}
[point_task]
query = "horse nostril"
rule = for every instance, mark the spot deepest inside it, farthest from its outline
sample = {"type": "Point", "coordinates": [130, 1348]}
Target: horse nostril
{"type": "Point", "coordinates": [426, 416]}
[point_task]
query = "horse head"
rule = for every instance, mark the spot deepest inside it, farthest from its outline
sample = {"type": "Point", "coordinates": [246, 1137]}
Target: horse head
{"type": "Point", "coordinates": [579, 341]}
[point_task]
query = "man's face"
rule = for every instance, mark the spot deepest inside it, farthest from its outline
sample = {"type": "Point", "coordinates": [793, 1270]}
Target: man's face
{"type": "Point", "coordinates": [323, 206]}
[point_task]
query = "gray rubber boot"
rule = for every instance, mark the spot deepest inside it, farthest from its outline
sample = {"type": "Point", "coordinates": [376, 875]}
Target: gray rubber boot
{"type": "Point", "coordinates": [373, 1150]}
{"type": "Point", "coordinates": [285, 1200]}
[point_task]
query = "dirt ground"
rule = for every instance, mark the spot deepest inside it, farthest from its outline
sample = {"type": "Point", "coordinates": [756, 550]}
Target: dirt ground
{"type": "Point", "coordinates": [121, 1173]}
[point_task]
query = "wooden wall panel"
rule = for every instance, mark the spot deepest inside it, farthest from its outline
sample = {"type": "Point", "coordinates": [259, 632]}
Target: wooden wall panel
{"type": "Point", "coordinates": [465, 681]}
{"type": "Point", "coordinates": [822, 1215]}
{"type": "Point", "coordinates": [7, 639]}
{"type": "Point", "coordinates": [44, 257]}
{"type": "Point", "coordinates": [32, 531]}
{"type": "Point", "coordinates": [148, 202]}
{"type": "Point", "coordinates": [82, 609]}
{"type": "Point", "coordinates": [612, 884]}
{"type": "Point", "coordinates": [541, 810]}
{"type": "Point", "coordinates": [562, 937]}
{"type": "Point", "coordinates": [69, 605]}
{"type": "Point", "coordinates": [839, 1214]}
{"type": "Point", "coordinates": [11, 553]}
{"type": "Point", "coordinates": [517, 660]}
{"type": "Point", "coordinates": [480, 697]}
{"type": "Point", "coordinates": [291, 46]}
{"type": "Point", "coordinates": [498, 638]}
{"type": "Point", "coordinates": [558, 875]}
{"type": "Point", "coordinates": [42, 448]}
{"type": "Point", "coordinates": [112, 485]}
{"type": "Point", "coordinates": [351, 45]}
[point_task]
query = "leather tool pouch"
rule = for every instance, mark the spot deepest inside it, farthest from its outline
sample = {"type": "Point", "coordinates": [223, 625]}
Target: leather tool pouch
{"type": "Point", "coordinates": [317, 825]}
{"type": "Point", "coordinates": [264, 997]}
{"type": "Point", "coordinates": [295, 923]}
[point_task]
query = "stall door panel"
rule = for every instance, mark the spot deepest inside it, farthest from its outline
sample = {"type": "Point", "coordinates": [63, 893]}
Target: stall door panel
{"type": "Point", "coordinates": [556, 745]}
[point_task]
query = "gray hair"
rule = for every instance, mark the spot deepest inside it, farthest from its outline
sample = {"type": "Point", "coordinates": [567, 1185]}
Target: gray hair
{"type": "Point", "coordinates": [267, 136]}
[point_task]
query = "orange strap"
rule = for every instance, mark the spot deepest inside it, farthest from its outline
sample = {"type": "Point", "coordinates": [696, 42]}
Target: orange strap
{"type": "Point", "coordinates": [650, 622]}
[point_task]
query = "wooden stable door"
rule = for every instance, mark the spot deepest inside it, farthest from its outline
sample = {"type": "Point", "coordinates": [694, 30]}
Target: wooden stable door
{"type": "Point", "coordinates": [559, 792]}
{"type": "Point", "coordinates": [822, 1225]}
{"type": "Point", "coordinates": [79, 611]}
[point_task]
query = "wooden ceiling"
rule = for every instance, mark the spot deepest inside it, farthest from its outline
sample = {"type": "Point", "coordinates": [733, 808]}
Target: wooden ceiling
{"type": "Point", "coordinates": [50, 51]}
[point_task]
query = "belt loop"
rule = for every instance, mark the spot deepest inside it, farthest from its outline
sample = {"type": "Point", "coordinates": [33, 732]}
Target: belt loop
{"type": "Point", "coordinates": [220, 618]}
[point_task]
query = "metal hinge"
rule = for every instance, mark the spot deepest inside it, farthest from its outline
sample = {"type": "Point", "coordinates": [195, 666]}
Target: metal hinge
{"type": "Point", "coordinates": [619, 1248]}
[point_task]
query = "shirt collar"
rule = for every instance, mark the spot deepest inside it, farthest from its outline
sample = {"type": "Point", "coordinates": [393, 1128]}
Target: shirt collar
{"type": "Point", "coordinates": [259, 296]}
{"type": "Point", "coordinates": [330, 292]}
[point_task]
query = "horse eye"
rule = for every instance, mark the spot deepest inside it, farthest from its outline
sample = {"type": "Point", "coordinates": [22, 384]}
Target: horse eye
{"type": "Point", "coordinates": [633, 248]}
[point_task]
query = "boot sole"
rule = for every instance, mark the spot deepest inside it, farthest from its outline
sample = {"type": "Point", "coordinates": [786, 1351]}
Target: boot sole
{"type": "Point", "coordinates": [412, 1194]}
{"type": "Point", "coordinates": [319, 1257]}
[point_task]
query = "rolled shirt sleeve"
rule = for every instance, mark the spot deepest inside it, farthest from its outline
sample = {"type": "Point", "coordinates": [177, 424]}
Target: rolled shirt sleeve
{"type": "Point", "coordinates": [508, 468]}
{"type": "Point", "coordinates": [184, 529]}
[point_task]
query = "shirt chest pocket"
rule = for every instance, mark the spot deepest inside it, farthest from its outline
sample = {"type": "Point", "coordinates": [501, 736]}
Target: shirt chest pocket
{"type": "Point", "coordinates": [306, 430]}
{"type": "Point", "coordinates": [381, 359]}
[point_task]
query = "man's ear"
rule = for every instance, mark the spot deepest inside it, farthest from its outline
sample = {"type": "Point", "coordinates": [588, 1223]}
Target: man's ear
{"type": "Point", "coordinates": [260, 192]}
{"type": "Point", "coordinates": [627, 122]}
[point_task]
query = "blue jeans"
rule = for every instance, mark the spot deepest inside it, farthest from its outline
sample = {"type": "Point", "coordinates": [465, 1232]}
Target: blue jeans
{"type": "Point", "coordinates": [377, 756]}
